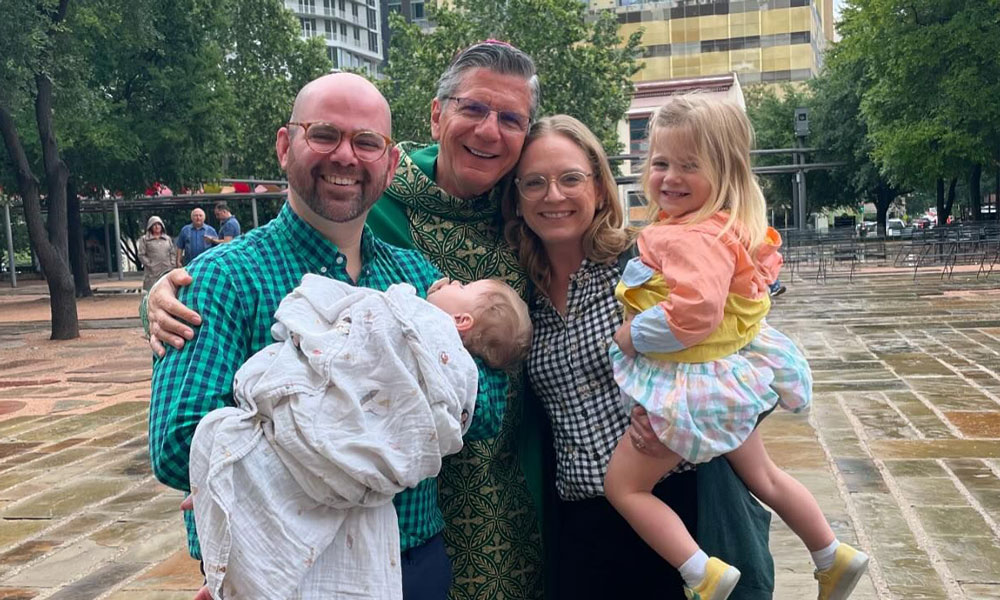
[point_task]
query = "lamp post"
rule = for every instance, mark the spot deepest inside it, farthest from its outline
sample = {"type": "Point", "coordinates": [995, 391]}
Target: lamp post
{"type": "Point", "coordinates": [799, 191]}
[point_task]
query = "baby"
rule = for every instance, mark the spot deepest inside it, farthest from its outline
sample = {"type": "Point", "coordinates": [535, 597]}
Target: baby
{"type": "Point", "coordinates": [491, 318]}
{"type": "Point", "coordinates": [360, 397]}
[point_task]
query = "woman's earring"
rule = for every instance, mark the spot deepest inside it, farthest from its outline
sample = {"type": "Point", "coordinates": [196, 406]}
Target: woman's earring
{"type": "Point", "coordinates": [517, 211]}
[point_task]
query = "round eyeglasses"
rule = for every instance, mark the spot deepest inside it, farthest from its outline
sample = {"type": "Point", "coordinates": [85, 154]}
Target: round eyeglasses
{"type": "Point", "coordinates": [325, 138]}
{"type": "Point", "coordinates": [535, 186]}
{"type": "Point", "coordinates": [474, 110]}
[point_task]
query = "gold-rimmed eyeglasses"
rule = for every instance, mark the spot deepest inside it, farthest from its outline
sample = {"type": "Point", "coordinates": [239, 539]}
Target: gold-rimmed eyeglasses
{"type": "Point", "coordinates": [534, 186]}
{"type": "Point", "coordinates": [325, 138]}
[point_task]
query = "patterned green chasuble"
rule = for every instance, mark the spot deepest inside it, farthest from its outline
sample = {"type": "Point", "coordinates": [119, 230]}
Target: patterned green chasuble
{"type": "Point", "coordinates": [491, 528]}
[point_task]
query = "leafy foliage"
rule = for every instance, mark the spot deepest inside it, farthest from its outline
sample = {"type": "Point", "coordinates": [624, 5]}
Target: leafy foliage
{"type": "Point", "coordinates": [113, 95]}
{"type": "Point", "coordinates": [266, 65]}
{"type": "Point", "coordinates": [933, 74]}
{"type": "Point", "coordinates": [584, 67]}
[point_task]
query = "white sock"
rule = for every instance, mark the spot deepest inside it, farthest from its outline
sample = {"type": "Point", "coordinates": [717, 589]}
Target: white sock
{"type": "Point", "coordinates": [824, 558]}
{"type": "Point", "coordinates": [693, 569]}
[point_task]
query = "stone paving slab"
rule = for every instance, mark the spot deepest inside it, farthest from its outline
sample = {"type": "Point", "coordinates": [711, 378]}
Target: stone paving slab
{"type": "Point", "coordinates": [901, 447]}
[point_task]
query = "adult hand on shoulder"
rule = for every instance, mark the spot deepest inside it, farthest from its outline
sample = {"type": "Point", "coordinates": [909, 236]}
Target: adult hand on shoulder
{"type": "Point", "coordinates": [623, 337]}
{"type": "Point", "coordinates": [165, 313]}
{"type": "Point", "coordinates": [643, 437]}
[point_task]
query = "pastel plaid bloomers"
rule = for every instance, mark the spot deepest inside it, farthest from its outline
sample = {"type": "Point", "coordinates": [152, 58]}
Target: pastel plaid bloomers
{"type": "Point", "coordinates": [704, 410]}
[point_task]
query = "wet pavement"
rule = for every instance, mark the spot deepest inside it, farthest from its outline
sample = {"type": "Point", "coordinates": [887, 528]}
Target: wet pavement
{"type": "Point", "coordinates": [902, 446]}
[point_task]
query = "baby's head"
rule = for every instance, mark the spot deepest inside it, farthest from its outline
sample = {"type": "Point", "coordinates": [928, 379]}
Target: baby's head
{"type": "Point", "coordinates": [490, 316]}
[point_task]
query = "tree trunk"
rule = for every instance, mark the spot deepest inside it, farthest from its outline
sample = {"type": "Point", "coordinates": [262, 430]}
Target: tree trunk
{"type": "Point", "coordinates": [883, 199]}
{"type": "Point", "coordinates": [940, 199]}
{"type": "Point", "coordinates": [49, 246]}
{"type": "Point", "coordinates": [77, 250]}
{"type": "Point", "coordinates": [976, 193]}
{"type": "Point", "coordinates": [945, 211]}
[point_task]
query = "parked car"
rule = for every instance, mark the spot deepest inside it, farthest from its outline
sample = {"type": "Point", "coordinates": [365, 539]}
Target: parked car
{"type": "Point", "coordinates": [894, 227]}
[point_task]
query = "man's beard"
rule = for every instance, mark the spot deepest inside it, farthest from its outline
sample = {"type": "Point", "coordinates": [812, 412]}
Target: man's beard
{"type": "Point", "coordinates": [341, 210]}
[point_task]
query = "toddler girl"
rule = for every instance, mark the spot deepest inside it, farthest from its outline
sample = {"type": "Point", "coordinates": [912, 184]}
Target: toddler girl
{"type": "Point", "coordinates": [694, 349]}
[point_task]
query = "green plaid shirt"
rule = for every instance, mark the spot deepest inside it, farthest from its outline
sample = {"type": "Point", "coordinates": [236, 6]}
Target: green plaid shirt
{"type": "Point", "coordinates": [237, 288]}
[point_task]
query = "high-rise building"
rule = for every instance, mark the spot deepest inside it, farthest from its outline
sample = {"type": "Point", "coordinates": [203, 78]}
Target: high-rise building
{"type": "Point", "coordinates": [766, 41]}
{"type": "Point", "coordinates": [350, 28]}
{"type": "Point", "coordinates": [411, 10]}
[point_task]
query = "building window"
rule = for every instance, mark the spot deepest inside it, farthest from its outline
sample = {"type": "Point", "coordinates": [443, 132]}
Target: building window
{"type": "Point", "coordinates": [342, 9]}
{"type": "Point", "coordinates": [307, 6]}
{"type": "Point", "coordinates": [332, 53]}
{"type": "Point", "coordinates": [373, 41]}
{"type": "Point", "coordinates": [658, 50]}
{"type": "Point", "coordinates": [800, 37]}
{"type": "Point", "coordinates": [343, 30]}
{"type": "Point", "coordinates": [327, 7]}
{"type": "Point", "coordinates": [418, 9]}
{"type": "Point", "coordinates": [637, 132]}
{"type": "Point", "coordinates": [371, 19]}
{"type": "Point", "coordinates": [773, 76]}
{"type": "Point", "coordinates": [357, 34]}
{"type": "Point", "coordinates": [308, 27]}
{"type": "Point", "coordinates": [354, 11]}
{"type": "Point", "coordinates": [331, 32]}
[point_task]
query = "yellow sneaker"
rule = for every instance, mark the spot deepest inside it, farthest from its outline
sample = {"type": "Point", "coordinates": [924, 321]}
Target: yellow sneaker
{"type": "Point", "coordinates": [837, 582]}
{"type": "Point", "coordinates": [719, 581]}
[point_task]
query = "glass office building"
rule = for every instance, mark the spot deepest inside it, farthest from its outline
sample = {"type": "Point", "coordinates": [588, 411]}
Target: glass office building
{"type": "Point", "coordinates": [767, 41]}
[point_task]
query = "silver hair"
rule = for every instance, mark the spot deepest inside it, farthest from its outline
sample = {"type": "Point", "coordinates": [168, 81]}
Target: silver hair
{"type": "Point", "coordinates": [499, 57]}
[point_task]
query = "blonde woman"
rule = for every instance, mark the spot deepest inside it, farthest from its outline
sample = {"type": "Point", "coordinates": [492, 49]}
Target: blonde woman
{"type": "Point", "coordinates": [565, 221]}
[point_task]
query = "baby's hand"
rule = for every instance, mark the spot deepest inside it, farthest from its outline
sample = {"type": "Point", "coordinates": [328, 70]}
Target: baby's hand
{"type": "Point", "coordinates": [623, 337]}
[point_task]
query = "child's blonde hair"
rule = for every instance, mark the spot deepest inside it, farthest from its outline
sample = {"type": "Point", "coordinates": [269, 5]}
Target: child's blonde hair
{"type": "Point", "coordinates": [501, 331]}
{"type": "Point", "coordinates": [722, 137]}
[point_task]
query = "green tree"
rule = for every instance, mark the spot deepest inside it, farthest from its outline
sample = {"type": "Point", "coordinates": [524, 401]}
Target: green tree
{"type": "Point", "coordinates": [29, 36]}
{"type": "Point", "coordinates": [133, 90]}
{"type": "Point", "coordinates": [584, 67]}
{"type": "Point", "coordinates": [934, 76]}
{"type": "Point", "coordinates": [266, 64]}
{"type": "Point", "coordinates": [841, 134]}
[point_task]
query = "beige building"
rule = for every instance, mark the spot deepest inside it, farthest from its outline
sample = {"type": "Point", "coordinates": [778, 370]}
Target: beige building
{"type": "Point", "coordinates": [766, 41]}
{"type": "Point", "coordinates": [632, 131]}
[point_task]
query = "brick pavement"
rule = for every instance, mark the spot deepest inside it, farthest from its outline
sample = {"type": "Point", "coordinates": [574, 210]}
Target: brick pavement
{"type": "Point", "coordinates": [902, 447]}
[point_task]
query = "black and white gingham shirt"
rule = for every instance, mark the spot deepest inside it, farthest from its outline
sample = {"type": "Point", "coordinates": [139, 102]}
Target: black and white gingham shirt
{"type": "Point", "coordinates": [571, 373]}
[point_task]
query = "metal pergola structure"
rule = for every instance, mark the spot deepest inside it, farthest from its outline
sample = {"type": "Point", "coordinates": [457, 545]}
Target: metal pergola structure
{"type": "Point", "coordinates": [799, 167]}
{"type": "Point", "coordinates": [175, 201]}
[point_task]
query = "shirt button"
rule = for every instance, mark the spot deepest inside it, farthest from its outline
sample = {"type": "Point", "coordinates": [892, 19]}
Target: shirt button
{"type": "Point", "coordinates": [322, 269]}
{"type": "Point", "coordinates": [340, 260]}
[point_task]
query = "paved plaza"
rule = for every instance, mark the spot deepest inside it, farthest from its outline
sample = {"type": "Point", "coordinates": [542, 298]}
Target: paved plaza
{"type": "Point", "coordinates": [902, 446]}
